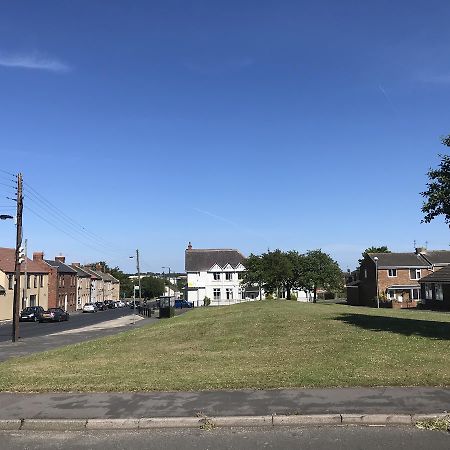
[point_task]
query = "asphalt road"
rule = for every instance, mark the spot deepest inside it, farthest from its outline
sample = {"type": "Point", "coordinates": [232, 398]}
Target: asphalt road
{"type": "Point", "coordinates": [283, 438]}
{"type": "Point", "coordinates": [77, 320]}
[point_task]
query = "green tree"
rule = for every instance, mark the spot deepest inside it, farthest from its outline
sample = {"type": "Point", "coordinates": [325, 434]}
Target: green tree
{"type": "Point", "coordinates": [438, 190]}
{"type": "Point", "coordinates": [320, 270]}
{"type": "Point", "coordinates": [254, 272]}
{"type": "Point", "coordinates": [278, 271]}
{"type": "Point", "coordinates": [382, 249]}
{"type": "Point", "coordinates": [152, 287]}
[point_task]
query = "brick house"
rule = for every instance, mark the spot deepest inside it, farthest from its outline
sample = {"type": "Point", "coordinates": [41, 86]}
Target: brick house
{"type": "Point", "coordinates": [34, 287]}
{"type": "Point", "coordinates": [398, 276]}
{"type": "Point", "coordinates": [62, 286]}
{"type": "Point", "coordinates": [436, 289]}
{"type": "Point", "coordinates": [84, 286]}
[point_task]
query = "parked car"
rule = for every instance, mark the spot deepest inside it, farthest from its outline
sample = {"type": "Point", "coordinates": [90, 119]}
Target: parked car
{"type": "Point", "coordinates": [89, 308]}
{"type": "Point", "coordinates": [183, 304]}
{"type": "Point", "coordinates": [31, 314]}
{"type": "Point", "coordinates": [110, 304]}
{"type": "Point", "coordinates": [54, 315]}
{"type": "Point", "coordinates": [101, 306]}
{"type": "Point", "coordinates": [136, 302]}
{"type": "Point", "coordinates": [121, 304]}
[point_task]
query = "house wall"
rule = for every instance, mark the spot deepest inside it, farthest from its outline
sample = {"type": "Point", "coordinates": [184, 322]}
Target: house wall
{"type": "Point", "coordinates": [83, 291]}
{"type": "Point", "coordinates": [433, 303]}
{"type": "Point", "coordinates": [40, 293]}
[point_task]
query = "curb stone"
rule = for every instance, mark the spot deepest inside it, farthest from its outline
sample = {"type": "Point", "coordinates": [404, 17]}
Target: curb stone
{"type": "Point", "coordinates": [226, 421]}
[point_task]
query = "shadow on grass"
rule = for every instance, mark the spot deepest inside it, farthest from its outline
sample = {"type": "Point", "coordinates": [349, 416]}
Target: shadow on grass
{"type": "Point", "coordinates": [407, 327]}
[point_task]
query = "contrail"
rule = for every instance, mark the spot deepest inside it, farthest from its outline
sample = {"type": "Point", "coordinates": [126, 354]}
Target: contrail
{"type": "Point", "coordinates": [388, 99]}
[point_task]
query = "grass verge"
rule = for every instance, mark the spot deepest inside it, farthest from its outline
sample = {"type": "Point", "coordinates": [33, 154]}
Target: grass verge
{"type": "Point", "coordinates": [263, 345]}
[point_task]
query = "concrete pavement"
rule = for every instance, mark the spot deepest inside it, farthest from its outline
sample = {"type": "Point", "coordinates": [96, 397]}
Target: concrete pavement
{"type": "Point", "coordinates": [290, 402]}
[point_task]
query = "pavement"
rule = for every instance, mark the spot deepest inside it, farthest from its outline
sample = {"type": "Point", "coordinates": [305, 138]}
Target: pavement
{"type": "Point", "coordinates": [139, 410]}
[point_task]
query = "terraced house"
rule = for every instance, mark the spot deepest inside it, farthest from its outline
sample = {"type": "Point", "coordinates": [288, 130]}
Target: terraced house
{"type": "Point", "coordinates": [34, 285]}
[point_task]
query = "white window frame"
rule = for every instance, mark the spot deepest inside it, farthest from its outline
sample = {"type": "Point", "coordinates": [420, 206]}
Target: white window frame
{"type": "Point", "coordinates": [228, 276]}
{"type": "Point", "coordinates": [216, 276]}
{"type": "Point", "coordinates": [428, 291]}
{"type": "Point", "coordinates": [439, 292]}
{"type": "Point", "coordinates": [392, 271]}
{"type": "Point", "coordinates": [417, 273]}
{"type": "Point", "coordinates": [229, 293]}
{"type": "Point", "coordinates": [391, 294]}
{"type": "Point", "coordinates": [216, 293]}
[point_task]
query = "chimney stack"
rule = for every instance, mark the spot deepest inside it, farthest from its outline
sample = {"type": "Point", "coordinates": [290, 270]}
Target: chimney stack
{"type": "Point", "coordinates": [76, 264]}
{"type": "Point", "coordinates": [421, 250]}
{"type": "Point", "coordinates": [189, 246]}
{"type": "Point", "coordinates": [38, 256]}
{"type": "Point", "coordinates": [61, 259]}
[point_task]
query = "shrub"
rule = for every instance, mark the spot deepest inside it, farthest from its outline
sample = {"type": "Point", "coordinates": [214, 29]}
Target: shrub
{"type": "Point", "coordinates": [206, 301]}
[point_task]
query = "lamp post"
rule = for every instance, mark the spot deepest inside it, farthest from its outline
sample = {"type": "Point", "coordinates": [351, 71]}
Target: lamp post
{"type": "Point", "coordinates": [164, 267]}
{"type": "Point", "coordinates": [376, 280]}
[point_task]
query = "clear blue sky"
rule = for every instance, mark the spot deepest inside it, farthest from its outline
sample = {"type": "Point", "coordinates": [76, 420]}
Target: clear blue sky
{"type": "Point", "coordinates": [243, 124]}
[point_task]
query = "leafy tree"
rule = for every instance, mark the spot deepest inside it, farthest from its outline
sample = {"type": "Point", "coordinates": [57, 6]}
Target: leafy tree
{"type": "Point", "coordinates": [382, 249]}
{"type": "Point", "coordinates": [254, 272]}
{"type": "Point", "coordinates": [438, 193]}
{"type": "Point", "coordinates": [320, 270]}
{"type": "Point", "coordinates": [278, 270]}
{"type": "Point", "coordinates": [152, 287]}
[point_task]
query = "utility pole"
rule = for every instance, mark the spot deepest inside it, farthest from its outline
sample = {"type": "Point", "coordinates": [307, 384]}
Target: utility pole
{"type": "Point", "coordinates": [139, 273]}
{"type": "Point", "coordinates": [25, 283]}
{"type": "Point", "coordinates": [18, 259]}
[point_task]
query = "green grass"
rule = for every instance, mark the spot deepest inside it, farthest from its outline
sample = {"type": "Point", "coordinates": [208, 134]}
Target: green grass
{"type": "Point", "coordinates": [270, 344]}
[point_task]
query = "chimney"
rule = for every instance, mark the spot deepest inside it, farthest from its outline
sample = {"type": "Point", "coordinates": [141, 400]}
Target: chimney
{"type": "Point", "coordinates": [421, 250]}
{"type": "Point", "coordinates": [38, 256]}
{"type": "Point", "coordinates": [76, 264]}
{"type": "Point", "coordinates": [189, 246]}
{"type": "Point", "coordinates": [61, 259]}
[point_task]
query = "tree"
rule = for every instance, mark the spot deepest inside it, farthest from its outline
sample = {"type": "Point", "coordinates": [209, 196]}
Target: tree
{"type": "Point", "coordinates": [152, 287]}
{"type": "Point", "coordinates": [438, 193]}
{"type": "Point", "coordinates": [382, 249]}
{"type": "Point", "coordinates": [320, 270]}
{"type": "Point", "coordinates": [254, 272]}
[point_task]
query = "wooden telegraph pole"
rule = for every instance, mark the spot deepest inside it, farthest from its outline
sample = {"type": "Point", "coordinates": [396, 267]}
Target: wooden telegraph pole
{"type": "Point", "coordinates": [18, 260]}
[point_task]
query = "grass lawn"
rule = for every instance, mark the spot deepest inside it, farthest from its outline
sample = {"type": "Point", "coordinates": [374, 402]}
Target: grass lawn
{"type": "Point", "coordinates": [269, 344]}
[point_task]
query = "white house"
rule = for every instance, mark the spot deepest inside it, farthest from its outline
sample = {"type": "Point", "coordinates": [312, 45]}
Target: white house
{"type": "Point", "coordinates": [216, 274]}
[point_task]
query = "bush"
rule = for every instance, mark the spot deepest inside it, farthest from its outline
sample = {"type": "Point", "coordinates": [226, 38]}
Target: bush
{"type": "Point", "coordinates": [206, 301]}
{"type": "Point", "coordinates": [293, 297]}
{"type": "Point", "coordinates": [269, 297]}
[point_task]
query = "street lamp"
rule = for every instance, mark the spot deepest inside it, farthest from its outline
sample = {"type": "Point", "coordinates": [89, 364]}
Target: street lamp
{"type": "Point", "coordinates": [376, 279]}
{"type": "Point", "coordinates": [5, 216]}
{"type": "Point", "coordinates": [164, 267]}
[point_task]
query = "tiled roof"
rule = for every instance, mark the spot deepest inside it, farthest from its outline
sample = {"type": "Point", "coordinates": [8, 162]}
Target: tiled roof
{"type": "Point", "coordinates": [197, 260]}
{"type": "Point", "coordinates": [437, 256]}
{"type": "Point", "coordinates": [60, 267]}
{"type": "Point", "coordinates": [81, 273]}
{"type": "Point", "coordinates": [7, 259]}
{"type": "Point", "coordinates": [440, 276]}
{"type": "Point", "coordinates": [399, 260]}
{"type": "Point", "coordinates": [91, 273]}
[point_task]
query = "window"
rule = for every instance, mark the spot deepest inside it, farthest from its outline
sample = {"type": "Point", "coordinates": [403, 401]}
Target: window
{"type": "Point", "coordinates": [392, 272]}
{"type": "Point", "coordinates": [35, 281]}
{"type": "Point", "coordinates": [414, 274]}
{"type": "Point", "coordinates": [391, 294]}
{"type": "Point", "coordinates": [216, 294]}
{"type": "Point", "coordinates": [216, 276]}
{"type": "Point", "coordinates": [10, 281]}
{"type": "Point", "coordinates": [439, 292]}
{"type": "Point", "coordinates": [228, 276]}
{"type": "Point", "coordinates": [428, 291]}
{"type": "Point", "coordinates": [416, 294]}
{"type": "Point", "coordinates": [240, 275]}
{"type": "Point", "coordinates": [229, 293]}
{"type": "Point", "coordinates": [365, 273]}
{"type": "Point", "coordinates": [28, 281]}
{"type": "Point", "coordinates": [242, 294]}
{"type": "Point", "coordinates": [41, 280]}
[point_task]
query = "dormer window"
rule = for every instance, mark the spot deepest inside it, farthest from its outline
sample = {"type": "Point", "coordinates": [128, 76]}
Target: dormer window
{"type": "Point", "coordinates": [216, 276]}
{"type": "Point", "coordinates": [228, 276]}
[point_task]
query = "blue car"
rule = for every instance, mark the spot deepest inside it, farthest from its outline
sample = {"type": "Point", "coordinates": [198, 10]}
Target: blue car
{"type": "Point", "coordinates": [183, 304]}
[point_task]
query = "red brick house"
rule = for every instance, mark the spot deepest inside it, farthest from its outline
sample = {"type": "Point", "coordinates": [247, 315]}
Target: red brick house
{"type": "Point", "coordinates": [397, 276]}
{"type": "Point", "coordinates": [62, 285]}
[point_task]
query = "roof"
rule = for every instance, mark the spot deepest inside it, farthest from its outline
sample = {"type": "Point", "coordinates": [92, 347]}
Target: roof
{"type": "Point", "coordinates": [7, 261]}
{"type": "Point", "coordinates": [437, 256]}
{"type": "Point", "coordinates": [440, 276]}
{"type": "Point", "coordinates": [197, 260]}
{"type": "Point", "coordinates": [60, 267]}
{"type": "Point", "coordinates": [82, 273]}
{"type": "Point", "coordinates": [104, 276]}
{"type": "Point", "coordinates": [387, 260]}
{"type": "Point", "coordinates": [91, 273]}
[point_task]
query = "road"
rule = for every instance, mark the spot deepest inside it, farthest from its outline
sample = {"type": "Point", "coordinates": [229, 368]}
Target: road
{"type": "Point", "coordinates": [283, 438]}
{"type": "Point", "coordinates": [77, 320]}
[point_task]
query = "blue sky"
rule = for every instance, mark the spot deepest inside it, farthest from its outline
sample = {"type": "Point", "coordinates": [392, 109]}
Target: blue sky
{"type": "Point", "coordinates": [250, 124]}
